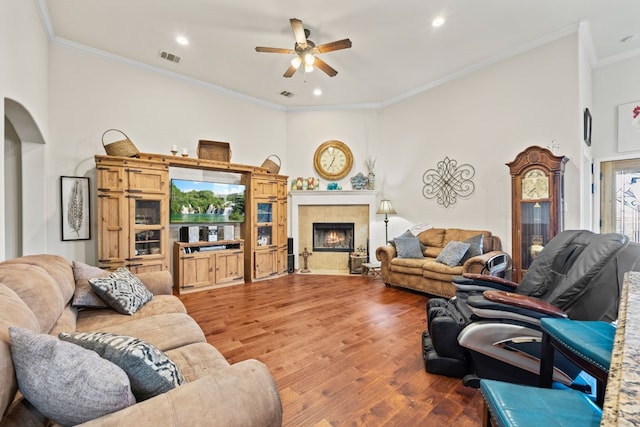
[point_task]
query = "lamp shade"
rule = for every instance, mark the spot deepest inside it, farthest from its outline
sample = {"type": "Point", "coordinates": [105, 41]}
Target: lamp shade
{"type": "Point", "coordinates": [386, 208]}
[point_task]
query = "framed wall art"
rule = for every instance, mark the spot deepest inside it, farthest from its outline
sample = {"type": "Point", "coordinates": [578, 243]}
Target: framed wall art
{"type": "Point", "coordinates": [629, 126]}
{"type": "Point", "coordinates": [75, 204]}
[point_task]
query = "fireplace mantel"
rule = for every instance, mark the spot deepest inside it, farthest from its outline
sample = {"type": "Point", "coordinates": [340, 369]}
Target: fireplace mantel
{"type": "Point", "coordinates": [328, 198]}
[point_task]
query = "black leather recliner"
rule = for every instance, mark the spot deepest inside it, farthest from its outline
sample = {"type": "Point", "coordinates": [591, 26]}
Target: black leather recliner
{"type": "Point", "coordinates": [490, 329]}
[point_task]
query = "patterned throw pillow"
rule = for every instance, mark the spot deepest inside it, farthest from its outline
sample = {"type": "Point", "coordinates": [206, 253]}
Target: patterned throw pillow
{"type": "Point", "coordinates": [65, 382]}
{"type": "Point", "coordinates": [123, 291]}
{"type": "Point", "coordinates": [83, 296]}
{"type": "Point", "coordinates": [452, 253]}
{"type": "Point", "coordinates": [150, 371]}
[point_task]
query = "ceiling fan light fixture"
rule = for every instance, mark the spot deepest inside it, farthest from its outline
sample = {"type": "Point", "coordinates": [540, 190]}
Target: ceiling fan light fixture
{"type": "Point", "coordinates": [308, 68]}
{"type": "Point", "coordinates": [295, 62]}
{"type": "Point", "coordinates": [309, 59]}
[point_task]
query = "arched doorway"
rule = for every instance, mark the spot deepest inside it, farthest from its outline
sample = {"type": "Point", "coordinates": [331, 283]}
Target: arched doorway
{"type": "Point", "coordinates": [20, 129]}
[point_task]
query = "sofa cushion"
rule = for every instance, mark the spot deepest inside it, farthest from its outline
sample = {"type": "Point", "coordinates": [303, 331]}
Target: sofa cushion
{"type": "Point", "coordinates": [432, 237]}
{"type": "Point", "coordinates": [475, 247]}
{"type": "Point", "coordinates": [198, 360]}
{"type": "Point", "coordinates": [39, 291]}
{"type": "Point", "coordinates": [150, 371]}
{"type": "Point", "coordinates": [122, 290]}
{"type": "Point", "coordinates": [66, 382]}
{"type": "Point", "coordinates": [165, 331]}
{"type": "Point", "coordinates": [83, 296]}
{"type": "Point", "coordinates": [432, 251]}
{"type": "Point", "coordinates": [452, 253]}
{"type": "Point", "coordinates": [408, 247]}
{"type": "Point", "coordinates": [410, 265]}
{"type": "Point", "coordinates": [92, 320]}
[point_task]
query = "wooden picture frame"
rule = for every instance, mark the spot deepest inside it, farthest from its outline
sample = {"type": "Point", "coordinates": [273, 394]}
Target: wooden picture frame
{"type": "Point", "coordinates": [587, 126]}
{"type": "Point", "coordinates": [75, 207]}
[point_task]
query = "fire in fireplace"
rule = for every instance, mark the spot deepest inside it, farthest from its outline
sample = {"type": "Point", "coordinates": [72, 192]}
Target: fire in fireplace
{"type": "Point", "coordinates": [333, 236]}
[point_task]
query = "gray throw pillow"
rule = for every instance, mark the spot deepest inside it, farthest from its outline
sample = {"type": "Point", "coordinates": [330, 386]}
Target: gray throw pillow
{"type": "Point", "coordinates": [408, 247]}
{"type": "Point", "coordinates": [452, 253]}
{"type": "Point", "coordinates": [150, 371]}
{"type": "Point", "coordinates": [83, 296]}
{"type": "Point", "coordinates": [123, 291]}
{"type": "Point", "coordinates": [475, 247]}
{"type": "Point", "coordinates": [65, 382]}
{"type": "Point", "coordinates": [404, 235]}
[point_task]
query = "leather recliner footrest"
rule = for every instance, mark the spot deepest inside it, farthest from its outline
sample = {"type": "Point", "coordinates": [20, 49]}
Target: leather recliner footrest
{"type": "Point", "coordinates": [436, 364]}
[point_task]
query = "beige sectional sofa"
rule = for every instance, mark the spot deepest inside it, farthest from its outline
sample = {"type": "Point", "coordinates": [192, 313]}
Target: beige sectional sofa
{"type": "Point", "coordinates": [425, 274]}
{"type": "Point", "coordinates": [35, 295]}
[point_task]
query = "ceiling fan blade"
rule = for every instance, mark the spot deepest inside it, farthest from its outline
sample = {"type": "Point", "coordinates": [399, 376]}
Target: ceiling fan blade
{"type": "Point", "coordinates": [298, 32]}
{"type": "Point", "coordinates": [337, 45]}
{"type": "Point", "coordinates": [290, 71]}
{"type": "Point", "coordinates": [274, 50]}
{"type": "Point", "coordinates": [331, 72]}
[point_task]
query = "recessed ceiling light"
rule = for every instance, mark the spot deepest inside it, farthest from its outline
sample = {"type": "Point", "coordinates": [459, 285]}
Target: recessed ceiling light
{"type": "Point", "coordinates": [438, 22]}
{"type": "Point", "coordinates": [317, 91]}
{"type": "Point", "coordinates": [182, 40]}
{"type": "Point", "coordinates": [630, 38]}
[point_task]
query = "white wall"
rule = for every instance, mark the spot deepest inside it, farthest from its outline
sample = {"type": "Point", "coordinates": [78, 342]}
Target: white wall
{"type": "Point", "coordinates": [24, 79]}
{"type": "Point", "coordinates": [484, 119]}
{"type": "Point", "coordinates": [613, 84]}
{"type": "Point", "coordinates": [90, 94]}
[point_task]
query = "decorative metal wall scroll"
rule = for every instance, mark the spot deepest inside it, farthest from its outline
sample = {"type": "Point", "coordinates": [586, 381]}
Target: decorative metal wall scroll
{"type": "Point", "coordinates": [448, 182]}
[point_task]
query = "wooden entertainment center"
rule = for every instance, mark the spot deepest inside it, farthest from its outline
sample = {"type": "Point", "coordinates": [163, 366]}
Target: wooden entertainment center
{"type": "Point", "coordinates": [134, 230]}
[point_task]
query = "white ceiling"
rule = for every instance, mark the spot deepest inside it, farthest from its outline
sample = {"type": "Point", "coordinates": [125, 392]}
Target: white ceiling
{"type": "Point", "coordinates": [395, 50]}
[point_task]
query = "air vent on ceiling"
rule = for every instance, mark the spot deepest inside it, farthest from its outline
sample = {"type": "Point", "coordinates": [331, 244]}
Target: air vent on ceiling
{"type": "Point", "coordinates": [286, 93]}
{"type": "Point", "coordinates": [169, 56]}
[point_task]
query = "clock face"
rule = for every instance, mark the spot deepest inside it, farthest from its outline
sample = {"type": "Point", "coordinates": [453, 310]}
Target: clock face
{"type": "Point", "coordinates": [333, 160]}
{"type": "Point", "coordinates": [535, 185]}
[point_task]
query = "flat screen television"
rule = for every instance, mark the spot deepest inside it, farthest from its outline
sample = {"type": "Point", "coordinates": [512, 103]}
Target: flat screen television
{"type": "Point", "coordinates": [198, 202]}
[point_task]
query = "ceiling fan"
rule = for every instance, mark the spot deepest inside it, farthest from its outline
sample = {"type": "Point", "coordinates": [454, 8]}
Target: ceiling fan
{"type": "Point", "coordinates": [306, 51]}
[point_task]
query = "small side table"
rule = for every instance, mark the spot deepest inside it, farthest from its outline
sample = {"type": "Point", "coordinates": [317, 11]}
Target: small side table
{"type": "Point", "coordinates": [356, 260]}
{"type": "Point", "coordinates": [371, 269]}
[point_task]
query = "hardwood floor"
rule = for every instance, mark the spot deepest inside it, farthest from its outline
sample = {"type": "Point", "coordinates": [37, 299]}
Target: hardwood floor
{"type": "Point", "coordinates": [344, 350]}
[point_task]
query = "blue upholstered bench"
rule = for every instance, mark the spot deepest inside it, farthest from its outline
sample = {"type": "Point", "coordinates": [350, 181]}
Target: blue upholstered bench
{"type": "Point", "coordinates": [523, 406]}
{"type": "Point", "coordinates": [588, 344]}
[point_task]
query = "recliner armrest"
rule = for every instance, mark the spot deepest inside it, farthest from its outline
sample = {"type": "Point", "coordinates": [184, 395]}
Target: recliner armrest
{"type": "Point", "coordinates": [492, 281]}
{"type": "Point", "coordinates": [523, 301]}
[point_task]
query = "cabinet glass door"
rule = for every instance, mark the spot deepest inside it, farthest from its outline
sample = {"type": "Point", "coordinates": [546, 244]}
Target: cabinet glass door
{"type": "Point", "coordinates": [264, 220]}
{"type": "Point", "coordinates": [265, 212]}
{"type": "Point", "coordinates": [148, 229]}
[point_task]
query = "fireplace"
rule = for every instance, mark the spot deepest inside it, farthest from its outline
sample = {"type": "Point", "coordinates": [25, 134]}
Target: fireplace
{"type": "Point", "coordinates": [350, 206]}
{"type": "Point", "coordinates": [333, 236]}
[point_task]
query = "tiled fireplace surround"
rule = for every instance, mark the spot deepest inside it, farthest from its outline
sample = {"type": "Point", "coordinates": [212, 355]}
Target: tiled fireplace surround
{"type": "Point", "coordinates": [308, 207]}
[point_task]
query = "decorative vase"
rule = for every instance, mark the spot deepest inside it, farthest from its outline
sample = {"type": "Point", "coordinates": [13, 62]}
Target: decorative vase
{"type": "Point", "coordinates": [371, 181]}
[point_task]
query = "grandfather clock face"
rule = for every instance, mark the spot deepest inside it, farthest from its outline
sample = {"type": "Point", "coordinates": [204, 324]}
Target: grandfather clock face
{"type": "Point", "coordinates": [535, 185]}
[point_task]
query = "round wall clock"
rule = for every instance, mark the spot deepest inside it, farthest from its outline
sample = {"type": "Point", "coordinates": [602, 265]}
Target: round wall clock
{"type": "Point", "coordinates": [333, 160]}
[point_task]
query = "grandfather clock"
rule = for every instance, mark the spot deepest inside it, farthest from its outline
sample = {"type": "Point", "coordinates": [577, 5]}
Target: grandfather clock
{"type": "Point", "coordinates": [537, 196]}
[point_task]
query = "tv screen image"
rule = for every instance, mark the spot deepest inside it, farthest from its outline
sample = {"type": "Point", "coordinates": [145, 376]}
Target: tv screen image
{"type": "Point", "coordinates": [194, 202]}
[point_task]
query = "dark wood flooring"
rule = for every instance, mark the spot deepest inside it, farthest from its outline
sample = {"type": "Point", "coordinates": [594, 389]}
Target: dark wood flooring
{"type": "Point", "coordinates": [344, 350]}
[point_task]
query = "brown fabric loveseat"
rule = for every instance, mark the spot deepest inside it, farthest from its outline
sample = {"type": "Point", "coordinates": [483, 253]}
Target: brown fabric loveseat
{"type": "Point", "coordinates": [426, 274]}
{"type": "Point", "coordinates": [35, 295]}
